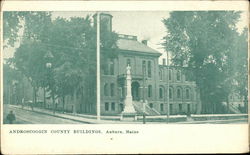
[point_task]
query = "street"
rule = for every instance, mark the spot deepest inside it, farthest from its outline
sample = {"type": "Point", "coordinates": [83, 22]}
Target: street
{"type": "Point", "coordinates": [29, 117]}
{"type": "Point", "coordinates": [39, 117]}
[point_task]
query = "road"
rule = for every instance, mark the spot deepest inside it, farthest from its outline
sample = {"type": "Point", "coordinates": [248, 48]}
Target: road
{"type": "Point", "coordinates": [29, 117]}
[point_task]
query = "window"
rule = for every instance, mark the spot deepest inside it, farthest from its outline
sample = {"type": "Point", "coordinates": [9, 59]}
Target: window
{"type": "Point", "coordinates": [170, 93]}
{"type": "Point", "coordinates": [106, 106]}
{"type": "Point", "coordinates": [170, 74]}
{"type": "Point", "coordinates": [112, 89]}
{"type": "Point", "coordinates": [162, 107]}
{"type": "Point", "coordinates": [187, 94]}
{"type": "Point", "coordinates": [105, 69]}
{"type": "Point", "coordinates": [160, 92]}
{"type": "Point", "coordinates": [143, 67]}
{"type": "Point", "coordinates": [112, 67]}
{"type": "Point", "coordinates": [121, 106]}
{"type": "Point", "coordinates": [178, 93]}
{"type": "Point", "coordinates": [121, 92]}
{"type": "Point", "coordinates": [171, 109]}
{"type": "Point", "coordinates": [180, 107]}
{"type": "Point", "coordinates": [178, 75]}
{"type": "Point", "coordinates": [151, 105]}
{"type": "Point", "coordinates": [149, 91]}
{"type": "Point", "coordinates": [106, 89]}
{"type": "Point", "coordinates": [113, 106]}
{"type": "Point", "coordinates": [161, 74]}
{"type": "Point", "coordinates": [164, 61]}
{"type": "Point", "coordinates": [128, 62]}
{"type": "Point", "coordinates": [149, 69]}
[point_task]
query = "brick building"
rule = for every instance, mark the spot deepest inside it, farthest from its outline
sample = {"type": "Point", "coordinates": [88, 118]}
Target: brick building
{"type": "Point", "coordinates": [149, 81]}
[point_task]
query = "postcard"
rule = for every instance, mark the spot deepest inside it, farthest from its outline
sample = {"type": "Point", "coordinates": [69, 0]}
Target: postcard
{"type": "Point", "coordinates": [115, 77]}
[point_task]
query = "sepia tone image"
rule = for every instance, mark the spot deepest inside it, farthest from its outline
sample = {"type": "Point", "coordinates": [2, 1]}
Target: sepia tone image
{"type": "Point", "coordinates": [125, 67]}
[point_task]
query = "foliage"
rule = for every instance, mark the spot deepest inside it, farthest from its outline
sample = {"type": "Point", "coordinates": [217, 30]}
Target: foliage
{"type": "Point", "coordinates": [32, 21]}
{"type": "Point", "coordinates": [72, 44]}
{"type": "Point", "coordinates": [203, 41]}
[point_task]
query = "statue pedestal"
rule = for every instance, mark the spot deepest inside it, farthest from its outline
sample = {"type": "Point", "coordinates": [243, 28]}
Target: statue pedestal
{"type": "Point", "coordinates": [129, 112]}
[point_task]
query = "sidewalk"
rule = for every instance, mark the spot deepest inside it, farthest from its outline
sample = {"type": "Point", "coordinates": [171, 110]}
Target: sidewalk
{"type": "Point", "coordinates": [162, 119]}
{"type": "Point", "coordinates": [90, 119]}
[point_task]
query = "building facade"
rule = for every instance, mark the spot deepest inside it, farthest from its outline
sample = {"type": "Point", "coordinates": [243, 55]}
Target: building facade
{"type": "Point", "coordinates": [150, 81]}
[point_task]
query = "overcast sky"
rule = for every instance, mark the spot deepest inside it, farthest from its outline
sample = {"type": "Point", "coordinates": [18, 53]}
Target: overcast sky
{"type": "Point", "coordinates": [144, 25]}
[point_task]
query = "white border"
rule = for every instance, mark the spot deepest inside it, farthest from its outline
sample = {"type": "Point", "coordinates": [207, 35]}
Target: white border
{"type": "Point", "coordinates": [157, 138]}
{"type": "Point", "coordinates": [123, 5]}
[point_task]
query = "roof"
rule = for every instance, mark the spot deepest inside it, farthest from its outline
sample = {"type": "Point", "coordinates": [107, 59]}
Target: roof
{"type": "Point", "coordinates": [134, 45]}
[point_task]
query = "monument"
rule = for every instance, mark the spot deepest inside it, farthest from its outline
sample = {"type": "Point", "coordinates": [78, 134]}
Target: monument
{"type": "Point", "coordinates": [129, 110]}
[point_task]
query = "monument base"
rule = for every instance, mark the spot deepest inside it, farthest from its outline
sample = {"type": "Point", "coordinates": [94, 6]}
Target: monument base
{"type": "Point", "coordinates": [128, 116]}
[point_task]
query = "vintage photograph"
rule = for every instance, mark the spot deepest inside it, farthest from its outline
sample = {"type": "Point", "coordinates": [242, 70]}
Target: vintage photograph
{"type": "Point", "coordinates": [125, 67]}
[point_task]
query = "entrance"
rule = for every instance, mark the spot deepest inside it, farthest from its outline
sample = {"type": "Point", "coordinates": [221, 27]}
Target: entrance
{"type": "Point", "coordinates": [135, 91]}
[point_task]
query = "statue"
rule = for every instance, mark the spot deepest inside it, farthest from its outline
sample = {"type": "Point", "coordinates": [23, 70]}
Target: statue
{"type": "Point", "coordinates": [128, 70]}
{"type": "Point", "coordinates": [128, 102]}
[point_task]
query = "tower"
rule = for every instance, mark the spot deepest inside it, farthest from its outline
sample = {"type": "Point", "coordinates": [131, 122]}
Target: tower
{"type": "Point", "coordinates": [105, 21]}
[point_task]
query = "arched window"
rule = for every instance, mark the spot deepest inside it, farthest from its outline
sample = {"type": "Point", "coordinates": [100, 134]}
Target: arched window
{"type": "Point", "coordinates": [160, 92]}
{"type": "Point", "coordinates": [143, 67]}
{"type": "Point", "coordinates": [169, 74]}
{"type": "Point", "coordinates": [112, 67]}
{"type": "Point", "coordinates": [178, 93]}
{"type": "Point", "coordinates": [170, 93]}
{"type": "Point", "coordinates": [106, 89]}
{"type": "Point", "coordinates": [150, 91]}
{"type": "Point", "coordinates": [112, 89]}
{"type": "Point", "coordinates": [161, 74]}
{"type": "Point", "coordinates": [187, 93]}
{"type": "Point", "coordinates": [149, 69]}
{"type": "Point", "coordinates": [178, 76]}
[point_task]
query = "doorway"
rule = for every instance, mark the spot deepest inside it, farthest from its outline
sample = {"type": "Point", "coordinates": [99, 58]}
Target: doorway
{"type": "Point", "coordinates": [135, 91]}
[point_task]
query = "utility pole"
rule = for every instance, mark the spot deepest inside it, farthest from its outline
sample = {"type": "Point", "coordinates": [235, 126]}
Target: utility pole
{"type": "Point", "coordinates": [98, 99]}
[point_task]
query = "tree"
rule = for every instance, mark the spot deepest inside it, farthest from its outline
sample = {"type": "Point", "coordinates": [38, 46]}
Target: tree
{"type": "Point", "coordinates": [27, 58]}
{"type": "Point", "coordinates": [239, 70]}
{"type": "Point", "coordinates": [33, 23]}
{"type": "Point", "coordinates": [12, 84]}
{"type": "Point", "coordinates": [72, 42]}
{"type": "Point", "coordinates": [202, 42]}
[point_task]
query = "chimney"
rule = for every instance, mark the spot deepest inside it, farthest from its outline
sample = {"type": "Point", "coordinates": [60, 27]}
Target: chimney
{"type": "Point", "coordinates": [145, 42]}
{"type": "Point", "coordinates": [105, 19]}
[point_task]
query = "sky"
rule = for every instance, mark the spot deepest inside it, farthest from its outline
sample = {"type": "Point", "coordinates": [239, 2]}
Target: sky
{"type": "Point", "coordinates": [143, 24]}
